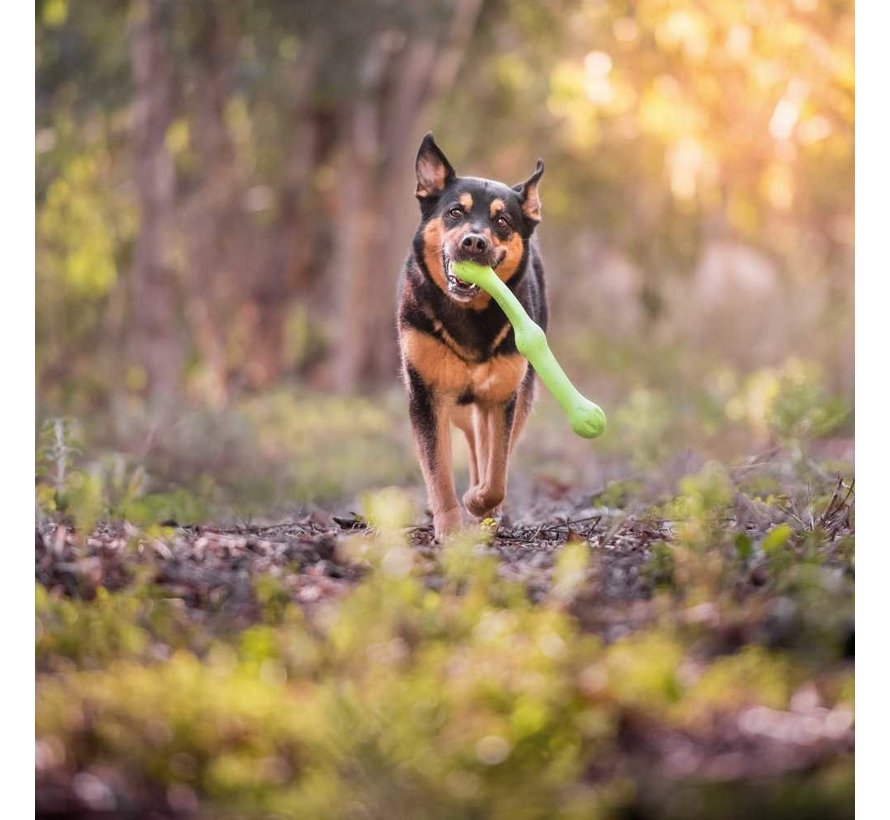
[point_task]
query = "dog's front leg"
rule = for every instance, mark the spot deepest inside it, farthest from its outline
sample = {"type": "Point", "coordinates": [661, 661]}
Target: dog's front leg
{"type": "Point", "coordinates": [495, 426]}
{"type": "Point", "coordinates": [430, 424]}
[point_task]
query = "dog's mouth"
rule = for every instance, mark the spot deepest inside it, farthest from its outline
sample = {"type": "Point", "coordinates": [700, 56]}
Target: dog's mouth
{"type": "Point", "coordinates": [457, 288]}
{"type": "Point", "coordinates": [460, 290]}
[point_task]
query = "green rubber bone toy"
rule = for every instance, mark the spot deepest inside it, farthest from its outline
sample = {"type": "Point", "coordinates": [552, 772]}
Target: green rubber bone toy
{"type": "Point", "coordinates": [587, 419]}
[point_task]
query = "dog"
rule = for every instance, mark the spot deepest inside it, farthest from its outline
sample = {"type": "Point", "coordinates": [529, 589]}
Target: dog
{"type": "Point", "coordinates": [458, 354]}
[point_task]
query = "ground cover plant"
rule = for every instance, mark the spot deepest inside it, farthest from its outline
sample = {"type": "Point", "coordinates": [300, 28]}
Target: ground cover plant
{"type": "Point", "coordinates": [657, 647]}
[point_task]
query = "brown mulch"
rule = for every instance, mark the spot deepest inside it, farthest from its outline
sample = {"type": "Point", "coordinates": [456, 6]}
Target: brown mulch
{"type": "Point", "coordinates": [206, 565]}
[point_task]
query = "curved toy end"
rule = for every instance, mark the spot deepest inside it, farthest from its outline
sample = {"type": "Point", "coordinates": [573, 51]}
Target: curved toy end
{"type": "Point", "coordinates": [589, 421]}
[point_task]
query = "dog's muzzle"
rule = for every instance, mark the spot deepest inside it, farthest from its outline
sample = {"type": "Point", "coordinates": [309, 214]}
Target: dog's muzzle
{"type": "Point", "coordinates": [460, 290]}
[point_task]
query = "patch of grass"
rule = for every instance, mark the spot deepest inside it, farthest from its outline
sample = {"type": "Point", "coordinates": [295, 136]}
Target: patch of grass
{"type": "Point", "coordinates": [274, 451]}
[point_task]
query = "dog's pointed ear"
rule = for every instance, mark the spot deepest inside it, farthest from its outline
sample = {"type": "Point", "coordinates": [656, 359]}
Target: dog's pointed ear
{"type": "Point", "coordinates": [434, 171]}
{"type": "Point", "coordinates": [528, 192]}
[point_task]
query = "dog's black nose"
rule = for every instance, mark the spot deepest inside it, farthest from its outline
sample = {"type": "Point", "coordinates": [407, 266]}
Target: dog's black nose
{"type": "Point", "coordinates": [475, 243]}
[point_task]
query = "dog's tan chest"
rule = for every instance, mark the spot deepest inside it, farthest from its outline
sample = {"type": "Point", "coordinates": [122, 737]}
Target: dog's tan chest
{"type": "Point", "coordinates": [497, 379]}
{"type": "Point", "coordinates": [494, 380]}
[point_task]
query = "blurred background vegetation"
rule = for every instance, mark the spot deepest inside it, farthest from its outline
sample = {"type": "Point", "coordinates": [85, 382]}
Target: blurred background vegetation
{"type": "Point", "coordinates": [224, 199]}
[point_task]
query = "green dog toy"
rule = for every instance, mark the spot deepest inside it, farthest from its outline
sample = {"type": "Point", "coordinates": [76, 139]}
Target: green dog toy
{"type": "Point", "coordinates": [587, 419]}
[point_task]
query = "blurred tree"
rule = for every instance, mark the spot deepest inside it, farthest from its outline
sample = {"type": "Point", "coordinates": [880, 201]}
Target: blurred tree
{"type": "Point", "coordinates": [155, 345]}
{"type": "Point", "coordinates": [405, 67]}
{"type": "Point", "coordinates": [214, 227]}
{"type": "Point", "coordinates": [224, 189]}
{"type": "Point", "coordinates": [674, 124]}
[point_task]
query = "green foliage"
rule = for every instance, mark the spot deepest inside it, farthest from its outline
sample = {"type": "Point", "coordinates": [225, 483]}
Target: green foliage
{"type": "Point", "coordinates": [76, 232]}
{"type": "Point", "coordinates": [83, 500]}
{"type": "Point", "coordinates": [790, 403]}
{"type": "Point", "coordinates": [776, 538]}
{"type": "Point", "coordinates": [816, 610]}
{"type": "Point", "coordinates": [751, 676]}
{"type": "Point", "coordinates": [743, 546]}
{"type": "Point", "coordinates": [266, 452]}
{"type": "Point", "coordinates": [660, 568]}
{"type": "Point", "coordinates": [111, 627]}
{"type": "Point", "coordinates": [471, 703]}
{"type": "Point", "coordinates": [150, 509]}
{"type": "Point", "coordinates": [617, 493]}
{"type": "Point", "coordinates": [271, 597]}
{"type": "Point", "coordinates": [803, 409]}
{"type": "Point", "coordinates": [701, 504]}
{"type": "Point", "coordinates": [644, 424]}
{"type": "Point", "coordinates": [78, 492]}
{"type": "Point", "coordinates": [84, 228]}
{"type": "Point", "coordinates": [59, 444]}
{"type": "Point", "coordinates": [637, 96]}
{"type": "Point", "coordinates": [467, 698]}
{"type": "Point", "coordinates": [642, 672]}
{"type": "Point", "coordinates": [261, 731]}
{"type": "Point", "coordinates": [388, 509]}
{"type": "Point", "coordinates": [62, 488]}
{"type": "Point", "coordinates": [570, 572]}
{"type": "Point", "coordinates": [327, 446]}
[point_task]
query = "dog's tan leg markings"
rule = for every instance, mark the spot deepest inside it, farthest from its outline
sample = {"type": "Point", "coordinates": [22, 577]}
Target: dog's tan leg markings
{"type": "Point", "coordinates": [480, 431]}
{"type": "Point", "coordinates": [524, 402]}
{"type": "Point", "coordinates": [439, 376]}
{"type": "Point", "coordinates": [487, 496]}
{"type": "Point", "coordinates": [462, 418]}
{"type": "Point", "coordinates": [434, 452]}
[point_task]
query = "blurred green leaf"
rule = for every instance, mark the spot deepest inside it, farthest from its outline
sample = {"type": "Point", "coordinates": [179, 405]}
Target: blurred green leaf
{"type": "Point", "coordinates": [776, 538]}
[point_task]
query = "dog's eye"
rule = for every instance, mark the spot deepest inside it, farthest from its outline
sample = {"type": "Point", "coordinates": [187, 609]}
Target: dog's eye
{"type": "Point", "coordinates": [457, 213]}
{"type": "Point", "coordinates": [502, 223]}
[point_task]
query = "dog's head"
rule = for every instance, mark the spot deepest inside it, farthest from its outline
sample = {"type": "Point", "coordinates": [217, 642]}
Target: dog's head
{"type": "Point", "coordinates": [471, 219]}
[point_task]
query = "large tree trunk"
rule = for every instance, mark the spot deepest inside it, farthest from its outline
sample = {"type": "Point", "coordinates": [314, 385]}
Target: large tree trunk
{"type": "Point", "coordinates": [400, 83]}
{"type": "Point", "coordinates": [244, 275]}
{"type": "Point", "coordinates": [291, 249]}
{"type": "Point", "coordinates": [155, 341]}
{"type": "Point", "coordinates": [215, 230]}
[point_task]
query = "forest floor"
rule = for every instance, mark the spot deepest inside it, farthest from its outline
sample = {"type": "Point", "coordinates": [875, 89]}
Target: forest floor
{"type": "Point", "coordinates": [734, 600]}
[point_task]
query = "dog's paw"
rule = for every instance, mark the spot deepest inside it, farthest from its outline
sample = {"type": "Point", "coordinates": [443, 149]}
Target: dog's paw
{"type": "Point", "coordinates": [446, 523]}
{"type": "Point", "coordinates": [482, 502]}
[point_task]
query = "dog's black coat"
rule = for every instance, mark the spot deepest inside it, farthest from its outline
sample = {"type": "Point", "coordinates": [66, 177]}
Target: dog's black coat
{"type": "Point", "coordinates": [473, 329]}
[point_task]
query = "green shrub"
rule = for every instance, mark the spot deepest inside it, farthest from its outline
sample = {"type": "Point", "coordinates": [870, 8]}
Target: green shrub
{"type": "Point", "coordinates": [465, 702]}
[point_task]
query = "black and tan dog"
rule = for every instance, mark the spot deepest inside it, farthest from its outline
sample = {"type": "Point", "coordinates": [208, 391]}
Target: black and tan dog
{"type": "Point", "coordinates": [459, 356]}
